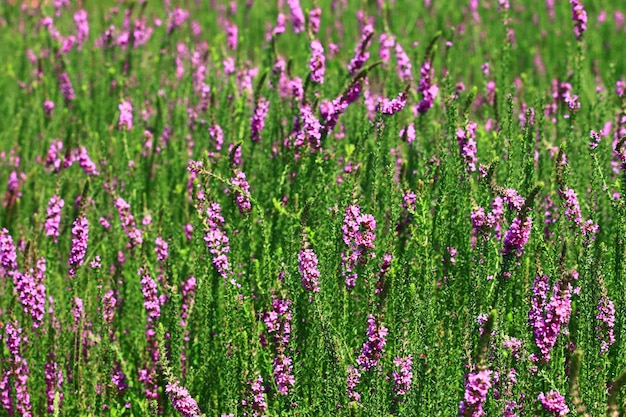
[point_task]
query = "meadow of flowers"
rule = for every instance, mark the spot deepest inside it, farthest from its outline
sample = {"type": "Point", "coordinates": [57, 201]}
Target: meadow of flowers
{"type": "Point", "coordinates": [313, 208]}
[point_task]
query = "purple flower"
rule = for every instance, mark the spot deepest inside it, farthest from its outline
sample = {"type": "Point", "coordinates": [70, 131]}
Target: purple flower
{"type": "Point", "coordinates": [8, 255]}
{"type": "Point", "coordinates": [53, 219]}
{"type": "Point", "coordinates": [256, 404]}
{"type": "Point", "coordinates": [554, 403]}
{"type": "Point", "coordinates": [579, 16]}
{"type": "Point", "coordinates": [477, 386]}
{"type": "Point", "coordinates": [386, 41]}
{"type": "Point", "coordinates": [517, 236]}
{"type": "Point", "coordinates": [309, 271]}
{"type": "Point", "coordinates": [513, 199]}
{"type": "Point", "coordinates": [161, 249]}
{"type": "Point", "coordinates": [467, 145]}
{"type": "Point", "coordinates": [317, 65]}
{"type": "Point", "coordinates": [361, 54]}
{"type": "Point", "coordinates": [391, 107]}
{"type": "Point", "coordinates": [31, 292]}
{"type": "Point", "coordinates": [135, 236]}
{"type": "Point", "coordinates": [216, 240]}
{"type": "Point", "coordinates": [307, 130]}
{"type": "Point", "coordinates": [352, 380]}
{"type": "Point", "coordinates": [297, 16]}
{"type": "Point", "coordinates": [80, 231]}
{"type": "Point", "coordinates": [257, 122]}
{"type": "Point", "coordinates": [606, 318]}
{"type": "Point", "coordinates": [359, 235]}
{"type": "Point", "coordinates": [53, 377]}
{"type": "Point", "coordinates": [176, 19]}
{"type": "Point", "coordinates": [108, 307]}
{"type": "Point", "coordinates": [18, 369]}
{"type": "Point", "coordinates": [426, 88]}
{"type": "Point", "coordinates": [315, 17]}
{"type": "Point", "coordinates": [572, 208]}
{"type": "Point", "coordinates": [232, 35]}
{"type": "Point", "coordinates": [48, 107]}
{"type": "Point", "coordinates": [372, 349]}
{"type": "Point", "coordinates": [405, 69]}
{"type": "Point", "coordinates": [65, 85]}
{"type": "Point", "coordinates": [549, 319]}
{"type": "Point", "coordinates": [126, 115]}
{"type": "Point", "coordinates": [242, 192]}
{"type": "Point", "coordinates": [88, 166]}
{"type": "Point", "coordinates": [403, 378]}
{"type": "Point", "coordinates": [82, 27]}
{"type": "Point", "coordinates": [408, 133]}
{"type": "Point", "coordinates": [182, 401]}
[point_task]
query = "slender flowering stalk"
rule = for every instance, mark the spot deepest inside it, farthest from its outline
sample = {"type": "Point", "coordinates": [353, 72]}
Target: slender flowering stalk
{"type": "Point", "coordinates": [65, 85]}
{"type": "Point", "coordinates": [80, 231]}
{"type": "Point", "coordinates": [297, 15]}
{"type": "Point", "coordinates": [317, 65]}
{"type": "Point", "coordinates": [372, 350]}
{"type": "Point", "coordinates": [8, 254]}
{"type": "Point", "coordinates": [82, 27]}
{"type": "Point", "coordinates": [467, 145]}
{"type": "Point", "coordinates": [549, 318]}
{"type": "Point", "coordinates": [517, 236]}
{"type": "Point", "coordinates": [31, 292]}
{"type": "Point", "coordinates": [606, 325]}
{"type": "Point", "coordinates": [257, 122]}
{"type": "Point", "coordinates": [161, 249]}
{"type": "Point", "coordinates": [53, 376]}
{"type": "Point", "coordinates": [135, 235]}
{"type": "Point", "coordinates": [404, 68]}
{"type": "Point", "coordinates": [241, 192]}
{"type": "Point", "coordinates": [391, 107]}
{"type": "Point", "coordinates": [19, 368]}
{"type": "Point", "coordinates": [278, 322]}
{"type": "Point", "coordinates": [85, 162]}
{"type": "Point", "coordinates": [403, 378]}
{"type": "Point", "coordinates": [315, 17]}
{"type": "Point", "coordinates": [256, 404]}
{"type": "Point", "coordinates": [352, 380]}
{"type": "Point", "coordinates": [579, 17]}
{"type": "Point", "coordinates": [216, 240]}
{"type": "Point", "coordinates": [53, 219]}
{"type": "Point", "coordinates": [359, 235]}
{"type": "Point", "coordinates": [426, 88]}
{"type": "Point", "coordinates": [361, 54]}
{"type": "Point", "coordinates": [181, 400]}
{"type": "Point", "coordinates": [309, 271]}
{"type": "Point", "coordinates": [126, 115]}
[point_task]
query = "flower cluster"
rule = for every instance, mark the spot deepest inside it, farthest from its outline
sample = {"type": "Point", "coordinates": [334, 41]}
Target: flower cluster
{"type": "Point", "coordinates": [53, 219]}
{"type": "Point", "coordinates": [161, 248]}
{"type": "Point", "coordinates": [182, 401]}
{"type": "Point", "coordinates": [517, 236]}
{"type": "Point", "coordinates": [278, 322]}
{"type": "Point", "coordinates": [216, 240]}
{"type": "Point", "coordinates": [53, 377]}
{"type": "Point", "coordinates": [135, 235]}
{"type": "Point", "coordinates": [18, 369]}
{"type": "Point", "coordinates": [317, 65]}
{"type": "Point", "coordinates": [307, 129]}
{"type": "Point", "coordinates": [297, 15]}
{"type": "Point", "coordinates": [242, 192]}
{"type": "Point", "coordinates": [80, 231]}
{"type": "Point", "coordinates": [554, 403]}
{"type": "Point", "coordinates": [361, 54]}
{"type": "Point", "coordinates": [309, 271]}
{"type": "Point", "coordinates": [549, 318]}
{"type": "Point", "coordinates": [467, 145]}
{"type": "Point", "coordinates": [403, 378]}
{"type": "Point", "coordinates": [404, 67]}
{"type": "Point", "coordinates": [256, 405]}
{"type": "Point", "coordinates": [477, 386]}
{"type": "Point", "coordinates": [126, 115]}
{"type": "Point", "coordinates": [426, 88]}
{"type": "Point", "coordinates": [359, 235]}
{"type": "Point", "coordinates": [606, 318]}
{"type": "Point", "coordinates": [257, 122]}
{"type": "Point", "coordinates": [372, 349]}
{"type": "Point", "coordinates": [579, 16]}
{"type": "Point", "coordinates": [31, 292]}
{"type": "Point", "coordinates": [8, 255]}
{"type": "Point", "coordinates": [391, 107]}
